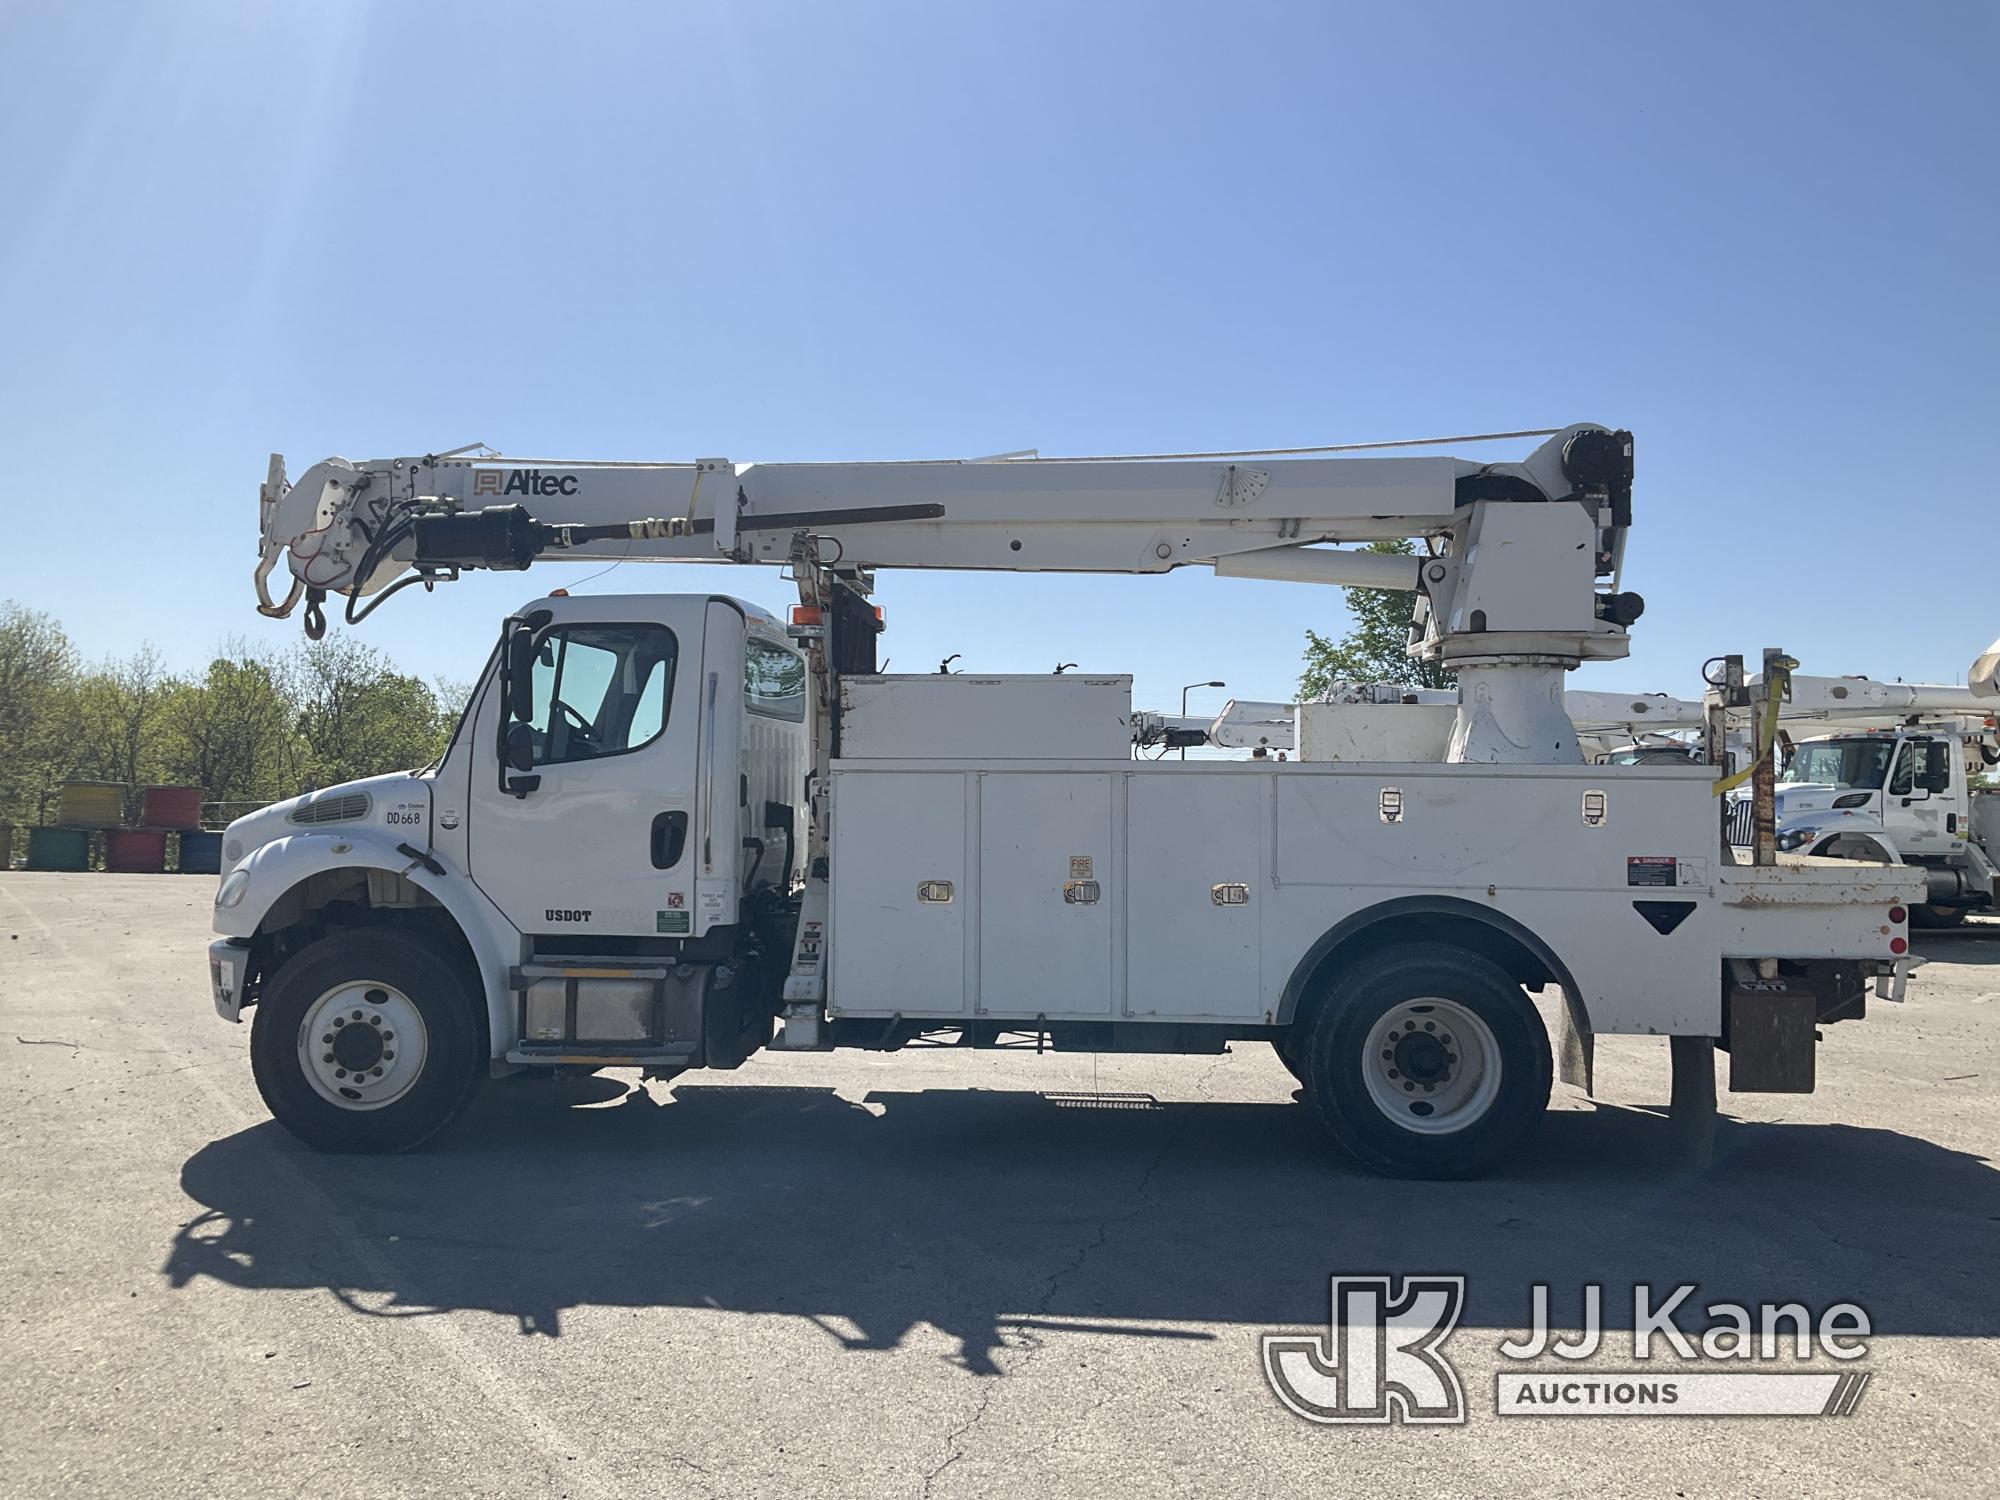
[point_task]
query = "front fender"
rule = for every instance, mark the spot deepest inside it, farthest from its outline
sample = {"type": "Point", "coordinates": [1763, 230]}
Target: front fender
{"type": "Point", "coordinates": [1866, 829]}
{"type": "Point", "coordinates": [279, 867]}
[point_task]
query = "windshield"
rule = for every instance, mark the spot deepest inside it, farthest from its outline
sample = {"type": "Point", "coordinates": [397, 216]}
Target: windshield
{"type": "Point", "coordinates": [1852, 763]}
{"type": "Point", "coordinates": [1650, 755]}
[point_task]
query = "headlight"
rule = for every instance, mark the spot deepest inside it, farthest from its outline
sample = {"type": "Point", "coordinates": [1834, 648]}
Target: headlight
{"type": "Point", "coordinates": [1793, 838]}
{"type": "Point", "coordinates": [232, 889]}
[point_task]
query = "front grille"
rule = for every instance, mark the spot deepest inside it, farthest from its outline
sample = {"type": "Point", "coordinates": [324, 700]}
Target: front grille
{"type": "Point", "coordinates": [1742, 823]}
{"type": "Point", "coordinates": [343, 807]}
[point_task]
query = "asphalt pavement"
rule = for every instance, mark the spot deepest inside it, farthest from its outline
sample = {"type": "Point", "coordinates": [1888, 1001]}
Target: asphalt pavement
{"type": "Point", "coordinates": [922, 1274]}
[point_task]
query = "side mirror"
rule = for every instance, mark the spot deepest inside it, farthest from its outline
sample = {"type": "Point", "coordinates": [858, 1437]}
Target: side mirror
{"type": "Point", "coordinates": [520, 668]}
{"type": "Point", "coordinates": [520, 747]}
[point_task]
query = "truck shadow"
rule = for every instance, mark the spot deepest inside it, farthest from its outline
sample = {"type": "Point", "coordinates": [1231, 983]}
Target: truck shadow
{"type": "Point", "coordinates": [986, 1214]}
{"type": "Point", "coordinates": [1975, 946]}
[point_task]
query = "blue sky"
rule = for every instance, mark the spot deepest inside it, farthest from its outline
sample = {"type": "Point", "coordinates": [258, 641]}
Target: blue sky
{"type": "Point", "coordinates": [1761, 236]}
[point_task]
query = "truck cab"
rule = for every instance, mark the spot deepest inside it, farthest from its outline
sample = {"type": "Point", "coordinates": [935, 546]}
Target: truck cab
{"type": "Point", "coordinates": [1907, 785]}
{"type": "Point", "coordinates": [596, 872]}
{"type": "Point", "coordinates": [620, 767]}
{"type": "Point", "coordinates": [1902, 795]}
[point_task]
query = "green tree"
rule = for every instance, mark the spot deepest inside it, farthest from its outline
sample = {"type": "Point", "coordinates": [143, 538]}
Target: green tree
{"type": "Point", "coordinates": [358, 716]}
{"type": "Point", "coordinates": [251, 726]}
{"type": "Point", "coordinates": [232, 731]}
{"type": "Point", "coordinates": [37, 692]}
{"type": "Point", "coordinates": [121, 722]}
{"type": "Point", "coordinates": [1374, 650]}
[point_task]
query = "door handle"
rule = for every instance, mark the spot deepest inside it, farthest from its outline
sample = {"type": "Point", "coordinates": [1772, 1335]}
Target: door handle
{"type": "Point", "coordinates": [670, 832]}
{"type": "Point", "coordinates": [708, 778]}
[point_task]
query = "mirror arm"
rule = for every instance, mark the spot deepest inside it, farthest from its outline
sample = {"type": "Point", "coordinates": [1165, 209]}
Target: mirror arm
{"type": "Point", "coordinates": [515, 628]}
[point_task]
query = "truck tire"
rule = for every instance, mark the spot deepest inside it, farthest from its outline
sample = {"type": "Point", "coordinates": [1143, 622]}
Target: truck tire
{"type": "Point", "coordinates": [1427, 1061]}
{"type": "Point", "coordinates": [367, 1041]}
{"type": "Point", "coordinates": [1288, 1054]}
{"type": "Point", "coordinates": [1937, 916]}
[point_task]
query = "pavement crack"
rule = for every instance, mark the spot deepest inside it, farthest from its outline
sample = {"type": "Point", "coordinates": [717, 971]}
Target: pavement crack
{"type": "Point", "coordinates": [1071, 1427]}
{"type": "Point", "coordinates": [955, 1439]}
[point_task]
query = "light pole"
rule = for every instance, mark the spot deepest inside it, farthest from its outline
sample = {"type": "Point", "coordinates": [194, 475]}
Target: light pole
{"type": "Point", "coordinates": [1184, 692]}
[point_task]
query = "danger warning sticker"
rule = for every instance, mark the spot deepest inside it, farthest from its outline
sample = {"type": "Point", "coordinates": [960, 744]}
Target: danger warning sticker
{"type": "Point", "coordinates": [1652, 869]}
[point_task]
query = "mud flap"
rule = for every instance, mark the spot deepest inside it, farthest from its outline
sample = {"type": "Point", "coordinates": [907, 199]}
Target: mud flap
{"type": "Point", "coordinates": [1576, 1046]}
{"type": "Point", "coordinates": [1770, 1029]}
{"type": "Point", "coordinates": [736, 1013]}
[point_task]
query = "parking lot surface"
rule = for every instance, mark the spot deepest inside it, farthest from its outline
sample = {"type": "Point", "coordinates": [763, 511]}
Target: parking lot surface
{"type": "Point", "coordinates": [925, 1274]}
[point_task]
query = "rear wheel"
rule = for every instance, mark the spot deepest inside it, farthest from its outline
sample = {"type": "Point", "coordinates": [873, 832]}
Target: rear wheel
{"type": "Point", "coordinates": [1427, 1061]}
{"type": "Point", "coordinates": [1937, 916]}
{"type": "Point", "coordinates": [366, 1041]}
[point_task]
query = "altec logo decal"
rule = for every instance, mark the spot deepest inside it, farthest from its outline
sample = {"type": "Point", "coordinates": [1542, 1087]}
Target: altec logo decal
{"type": "Point", "coordinates": [522, 482]}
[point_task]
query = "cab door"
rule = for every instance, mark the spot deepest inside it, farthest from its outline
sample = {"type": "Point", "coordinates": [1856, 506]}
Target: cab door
{"type": "Point", "coordinates": [1925, 816]}
{"type": "Point", "coordinates": [603, 833]}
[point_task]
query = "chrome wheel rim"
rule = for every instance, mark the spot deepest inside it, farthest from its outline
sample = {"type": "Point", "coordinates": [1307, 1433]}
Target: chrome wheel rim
{"type": "Point", "coordinates": [1432, 1066]}
{"type": "Point", "coordinates": [362, 1045]}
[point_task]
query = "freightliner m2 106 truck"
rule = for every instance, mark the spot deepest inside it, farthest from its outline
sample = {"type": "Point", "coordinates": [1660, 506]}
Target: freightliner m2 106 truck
{"type": "Point", "coordinates": [674, 829]}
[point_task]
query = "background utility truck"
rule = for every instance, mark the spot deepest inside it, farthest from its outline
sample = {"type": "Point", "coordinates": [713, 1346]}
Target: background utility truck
{"type": "Point", "coordinates": [1902, 795]}
{"type": "Point", "coordinates": [670, 823]}
{"type": "Point", "coordinates": [1894, 782]}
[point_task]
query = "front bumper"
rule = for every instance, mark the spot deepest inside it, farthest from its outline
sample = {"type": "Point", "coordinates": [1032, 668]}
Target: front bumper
{"type": "Point", "coordinates": [228, 968]}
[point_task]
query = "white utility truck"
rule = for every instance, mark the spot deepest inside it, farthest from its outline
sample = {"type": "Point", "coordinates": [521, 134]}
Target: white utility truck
{"type": "Point", "coordinates": [673, 829]}
{"type": "Point", "coordinates": [1901, 795]}
{"type": "Point", "coordinates": [1893, 782]}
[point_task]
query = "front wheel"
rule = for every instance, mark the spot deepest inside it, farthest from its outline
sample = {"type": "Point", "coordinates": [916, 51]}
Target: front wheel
{"type": "Point", "coordinates": [366, 1041]}
{"type": "Point", "coordinates": [1428, 1061]}
{"type": "Point", "coordinates": [1287, 1049]}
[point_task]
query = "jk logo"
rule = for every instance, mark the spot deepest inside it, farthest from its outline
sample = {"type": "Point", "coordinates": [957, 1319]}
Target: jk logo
{"type": "Point", "coordinates": [1380, 1359]}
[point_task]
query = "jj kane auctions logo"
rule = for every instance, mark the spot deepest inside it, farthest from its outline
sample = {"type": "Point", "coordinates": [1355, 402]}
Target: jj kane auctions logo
{"type": "Point", "coordinates": [1382, 1358]}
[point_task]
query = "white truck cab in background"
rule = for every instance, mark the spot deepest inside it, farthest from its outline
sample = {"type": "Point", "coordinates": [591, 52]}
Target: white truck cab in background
{"type": "Point", "coordinates": [1903, 796]}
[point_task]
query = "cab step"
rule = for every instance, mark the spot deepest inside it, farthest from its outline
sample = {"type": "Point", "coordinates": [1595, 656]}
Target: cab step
{"type": "Point", "coordinates": [598, 1057]}
{"type": "Point", "coordinates": [607, 1012]}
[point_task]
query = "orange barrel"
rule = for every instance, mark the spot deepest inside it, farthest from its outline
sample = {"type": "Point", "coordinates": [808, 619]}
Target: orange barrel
{"type": "Point", "coordinates": [201, 854]}
{"type": "Point", "coordinates": [171, 807]}
{"type": "Point", "coordinates": [58, 849]}
{"type": "Point", "coordinates": [91, 804]}
{"type": "Point", "coordinates": [136, 851]}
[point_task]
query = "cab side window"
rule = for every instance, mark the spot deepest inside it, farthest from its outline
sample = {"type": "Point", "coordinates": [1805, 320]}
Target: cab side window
{"type": "Point", "coordinates": [600, 690]}
{"type": "Point", "coordinates": [774, 681]}
{"type": "Point", "coordinates": [1937, 766]}
{"type": "Point", "coordinates": [1922, 766]}
{"type": "Point", "coordinates": [1904, 779]}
